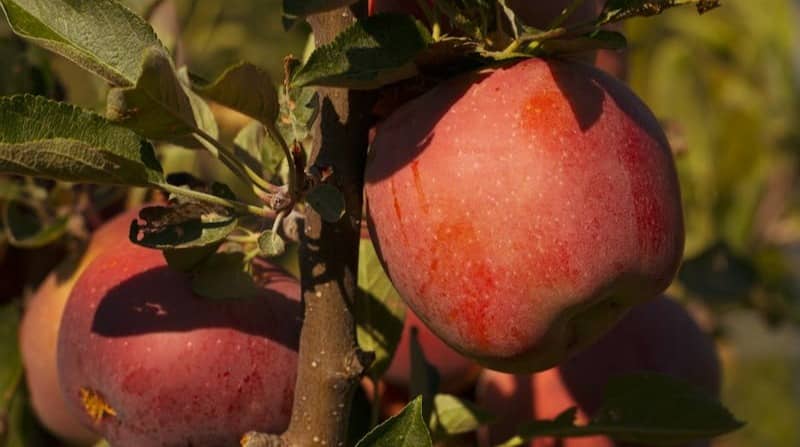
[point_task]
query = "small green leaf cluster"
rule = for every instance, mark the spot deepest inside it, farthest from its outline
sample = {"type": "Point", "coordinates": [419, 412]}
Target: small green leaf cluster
{"type": "Point", "coordinates": [386, 48]}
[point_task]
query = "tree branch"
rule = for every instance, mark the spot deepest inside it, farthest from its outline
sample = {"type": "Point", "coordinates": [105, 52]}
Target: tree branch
{"type": "Point", "coordinates": [331, 362]}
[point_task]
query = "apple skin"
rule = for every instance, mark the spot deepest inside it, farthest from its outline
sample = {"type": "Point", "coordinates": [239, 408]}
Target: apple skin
{"type": "Point", "coordinates": [659, 336]}
{"type": "Point", "coordinates": [456, 372]}
{"type": "Point", "coordinates": [521, 212]}
{"type": "Point", "coordinates": [38, 334]}
{"type": "Point", "coordinates": [176, 369]}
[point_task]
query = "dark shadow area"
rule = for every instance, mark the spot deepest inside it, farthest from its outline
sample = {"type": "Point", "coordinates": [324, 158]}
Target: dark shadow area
{"type": "Point", "coordinates": [344, 139]}
{"type": "Point", "coordinates": [584, 93]}
{"type": "Point", "coordinates": [159, 300]}
{"type": "Point", "coordinates": [410, 128]}
{"type": "Point", "coordinates": [584, 85]}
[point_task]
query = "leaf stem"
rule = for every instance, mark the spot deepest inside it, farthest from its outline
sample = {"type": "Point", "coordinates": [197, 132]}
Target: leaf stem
{"type": "Point", "coordinates": [208, 198]}
{"type": "Point", "coordinates": [278, 138]}
{"type": "Point", "coordinates": [233, 163]}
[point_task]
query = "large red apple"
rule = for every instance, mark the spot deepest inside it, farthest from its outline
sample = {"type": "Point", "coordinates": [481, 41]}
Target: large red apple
{"type": "Point", "coordinates": [145, 362]}
{"type": "Point", "coordinates": [520, 212]}
{"type": "Point", "coordinates": [39, 333]}
{"type": "Point", "coordinates": [659, 336]}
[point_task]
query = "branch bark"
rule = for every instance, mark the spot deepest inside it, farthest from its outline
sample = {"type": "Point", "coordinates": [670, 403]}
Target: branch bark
{"type": "Point", "coordinates": [331, 362]}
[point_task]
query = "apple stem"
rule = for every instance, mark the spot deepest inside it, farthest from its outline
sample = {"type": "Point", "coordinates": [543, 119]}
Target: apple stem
{"type": "Point", "coordinates": [330, 361]}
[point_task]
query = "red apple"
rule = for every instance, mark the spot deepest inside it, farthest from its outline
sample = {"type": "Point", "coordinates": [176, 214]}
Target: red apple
{"type": "Point", "coordinates": [456, 372]}
{"type": "Point", "coordinates": [38, 333]}
{"type": "Point", "coordinates": [521, 212]}
{"type": "Point", "coordinates": [659, 336]}
{"type": "Point", "coordinates": [145, 362]}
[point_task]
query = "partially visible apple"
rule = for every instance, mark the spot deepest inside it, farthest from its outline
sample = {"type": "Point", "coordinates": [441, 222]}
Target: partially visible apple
{"type": "Point", "coordinates": [521, 212]}
{"type": "Point", "coordinates": [38, 333]}
{"type": "Point", "coordinates": [144, 361]}
{"type": "Point", "coordinates": [456, 372]}
{"type": "Point", "coordinates": [659, 336]}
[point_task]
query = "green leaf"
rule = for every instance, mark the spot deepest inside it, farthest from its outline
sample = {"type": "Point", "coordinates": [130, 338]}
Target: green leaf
{"type": "Point", "coordinates": [245, 88]}
{"type": "Point", "coordinates": [141, 7]}
{"type": "Point", "coordinates": [645, 408]}
{"type": "Point", "coordinates": [424, 377]}
{"type": "Point", "coordinates": [299, 110]}
{"type": "Point", "coordinates": [23, 428]}
{"type": "Point", "coordinates": [101, 36]}
{"type": "Point", "coordinates": [185, 225]}
{"type": "Point", "coordinates": [271, 244]}
{"type": "Point", "coordinates": [25, 228]}
{"type": "Point", "coordinates": [407, 429]}
{"type": "Point", "coordinates": [187, 259]}
{"type": "Point", "coordinates": [456, 416]}
{"type": "Point", "coordinates": [11, 366]}
{"type": "Point", "coordinates": [160, 106]}
{"type": "Point", "coordinates": [224, 276]}
{"type": "Point", "coordinates": [9, 190]}
{"type": "Point", "coordinates": [657, 409]}
{"type": "Point", "coordinates": [44, 138]}
{"type": "Point", "coordinates": [255, 147]}
{"type": "Point", "coordinates": [373, 52]}
{"type": "Point", "coordinates": [327, 201]}
{"type": "Point", "coordinates": [379, 311]}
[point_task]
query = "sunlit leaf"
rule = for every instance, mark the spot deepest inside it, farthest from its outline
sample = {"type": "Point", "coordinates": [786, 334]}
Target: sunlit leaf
{"type": "Point", "coordinates": [45, 138]}
{"type": "Point", "coordinates": [407, 429]}
{"type": "Point", "coordinates": [102, 36]}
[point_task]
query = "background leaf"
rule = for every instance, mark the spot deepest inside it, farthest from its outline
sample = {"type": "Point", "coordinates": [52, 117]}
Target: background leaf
{"type": "Point", "coordinates": [455, 416]}
{"type": "Point", "coordinates": [24, 228]}
{"type": "Point", "coordinates": [407, 429]}
{"type": "Point", "coordinates": [101, 36]}
{"type": "Point", "coordinates": [379, 311]}
{"type": "Point", "coordinates": [245, 88]}
{"type": "Point", "coordinates": [304, 8]}
{"type": "Point", "coordinates": [224, 276]}
{"type": "Point", "coordinates": [647, 408]}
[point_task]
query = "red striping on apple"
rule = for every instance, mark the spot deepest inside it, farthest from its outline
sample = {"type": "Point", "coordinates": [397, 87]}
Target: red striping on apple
{"type": "Point", "coordinates": [521, 212]}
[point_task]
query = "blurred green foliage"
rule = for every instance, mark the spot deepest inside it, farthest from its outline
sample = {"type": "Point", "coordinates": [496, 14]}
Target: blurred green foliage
{"type": "Point", "coordinates": [727, 86]}
{"type": "Point", "coordinates": [728, 82]}
{"type": "Point", "coordinates": [219, 33]}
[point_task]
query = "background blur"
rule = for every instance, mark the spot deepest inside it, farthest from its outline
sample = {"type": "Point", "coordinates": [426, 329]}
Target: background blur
{"type": "Point", "coordinates": [727, 87]}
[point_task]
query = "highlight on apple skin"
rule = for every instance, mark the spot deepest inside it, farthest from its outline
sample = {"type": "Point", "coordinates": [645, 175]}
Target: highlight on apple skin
{"type": "Point", "coordinates": [521, 212]}
{"type": "Point", "coordinates": [659, 336]}
{"type": "Point", "coordinates": [145, 362]}
{"type": "Point", "coordinates": [38, 333]}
